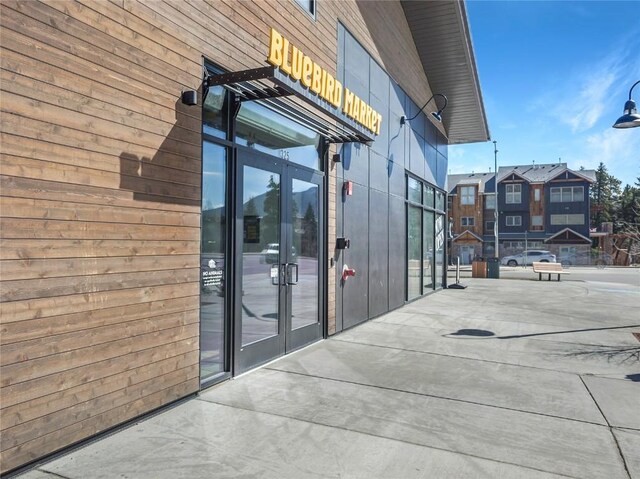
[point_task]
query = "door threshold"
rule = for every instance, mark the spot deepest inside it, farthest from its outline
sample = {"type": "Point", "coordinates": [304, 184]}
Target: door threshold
{"type": "Point", "coordinates": [277, 359]}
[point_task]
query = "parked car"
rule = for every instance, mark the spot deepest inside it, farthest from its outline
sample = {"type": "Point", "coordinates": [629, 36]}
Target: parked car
{"type": "Point", "coordinates": [528, 257]}
{"type": "Point", "coordinates": [271, 253]}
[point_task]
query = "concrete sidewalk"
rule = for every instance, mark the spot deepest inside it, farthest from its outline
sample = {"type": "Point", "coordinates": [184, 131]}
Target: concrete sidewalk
{"type": "Point", "coordinates": [505, 379]}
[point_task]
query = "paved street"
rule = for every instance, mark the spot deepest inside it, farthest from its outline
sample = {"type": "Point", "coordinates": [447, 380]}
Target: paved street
{"type": "Point", "coordinates": [505, 379]}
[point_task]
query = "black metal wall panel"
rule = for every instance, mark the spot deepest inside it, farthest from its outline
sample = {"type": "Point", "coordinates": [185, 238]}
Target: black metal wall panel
{"type": "Point", "coordinates": [397, 251]}
{"type": "Point", "coordinates": [397, 179]}
{"type": "Point", "coordinates": [378, 253]}
{"type": "Point", "coordinates": [378, 172]}
{"type": "Point", "coordinates": [431, 163]}
{"type": "Point", "coordinates": [355, 290]}
{"type": "Point", "coordinates": [355, 163]}
{"type": "Point", "coordinates": [416, 154]}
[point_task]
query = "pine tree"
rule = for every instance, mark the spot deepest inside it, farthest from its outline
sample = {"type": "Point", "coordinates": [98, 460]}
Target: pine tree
{"type": "Point", "coordinates": [604, 196]}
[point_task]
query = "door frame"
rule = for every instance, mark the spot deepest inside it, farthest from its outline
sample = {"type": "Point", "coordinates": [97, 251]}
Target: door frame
{"type": "Point", "coordinates": [286, 340]}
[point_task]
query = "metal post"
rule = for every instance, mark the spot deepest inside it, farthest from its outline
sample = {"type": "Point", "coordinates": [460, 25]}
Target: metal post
{"type": "Point", "coordinates": [495, 211]}
{"type": "Point", "coordinates": [457, 269]}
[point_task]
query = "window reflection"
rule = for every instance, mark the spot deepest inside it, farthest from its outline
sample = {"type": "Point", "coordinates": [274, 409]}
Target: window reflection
{"type": "Point", "coordinates": [214, 113]}
{"type": "Point", "coordinates": [212, 260]}
{"type": "Point", "coordinates": [260, 128]}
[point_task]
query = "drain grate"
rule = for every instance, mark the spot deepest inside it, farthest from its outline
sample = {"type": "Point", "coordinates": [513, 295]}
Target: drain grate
{"type": "Point", "coordinates": [636, 335]}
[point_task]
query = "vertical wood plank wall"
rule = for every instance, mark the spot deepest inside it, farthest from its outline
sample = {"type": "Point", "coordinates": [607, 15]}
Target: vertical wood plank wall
{"type": "Point", "coordinates": [100, 195]}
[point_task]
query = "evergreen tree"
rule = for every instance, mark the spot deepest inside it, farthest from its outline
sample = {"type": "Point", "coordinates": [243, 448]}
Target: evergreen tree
{"type": "Point", "coordinates": [604, 195]}
{"type": "Point", "coordinates": [310, 233]}
{"type": "Point", "coordinates": [270, 224]}
{"type": "Point", "coordinates": [250, 208]}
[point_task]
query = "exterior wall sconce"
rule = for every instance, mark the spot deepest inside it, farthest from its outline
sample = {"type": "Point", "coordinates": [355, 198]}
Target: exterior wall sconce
{"type": "Point", "coordinates": [630, 119]}
{"type": "Point", "coordinates": [336, 158]}
{"type": "Point", "coordinates": [190, 97]}
{"type": "Point", "coordinates": [437, 115]}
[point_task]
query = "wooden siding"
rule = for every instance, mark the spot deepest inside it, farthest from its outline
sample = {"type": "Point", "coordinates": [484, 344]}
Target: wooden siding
{"type": "Point", "coordinates": [100, 195]}
{"type": "Point", "coordinates": [475, 211]}
{"type": "Point", "coordinates": [536, 207]}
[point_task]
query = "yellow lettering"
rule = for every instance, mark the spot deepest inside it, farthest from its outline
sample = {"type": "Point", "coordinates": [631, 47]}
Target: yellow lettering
{"type": "Point", "coordinates": [374, 121]}
{"type": "Point", "coordinates": [348, 102]}
{"type": "Point", "coordinates": [367, 117]}
{"type": "Point", "coordinates": [316, 78]}
{"type": "Point", "coordinates": [296, 63]}
{"type": "Point", "coordinates": [307, 68]}
{"type": "Point", "coordinates": [275, 49]}
{"type": "Point", "coordinates": [323, 89]}
{"type": "Point", "coordinates": [356, 108]}
{"type": "Point", "coordinates": [286, 66]}
{"type": "Point", "coordinates": [363, 112]}
{"type": "Point", "coordinates": [379, 123]}
{"type": "Point", "coordinates": [337, 96]}
{"type": "Point", "coordinates": [329, 88]}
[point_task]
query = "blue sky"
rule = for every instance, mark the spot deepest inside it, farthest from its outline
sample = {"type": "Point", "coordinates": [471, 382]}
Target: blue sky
{"type": "Point", "coordinates": [554, 77]}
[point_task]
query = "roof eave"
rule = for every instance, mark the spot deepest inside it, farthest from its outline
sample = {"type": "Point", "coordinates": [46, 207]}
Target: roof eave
{"type": "Point", "coordinates": [432, 24]}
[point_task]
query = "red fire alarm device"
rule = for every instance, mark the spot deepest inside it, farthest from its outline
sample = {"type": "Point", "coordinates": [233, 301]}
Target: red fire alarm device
{"type": "Point", "coordinates": [347, 272]}
{"type": "Point", "coordinates": [348, 187]}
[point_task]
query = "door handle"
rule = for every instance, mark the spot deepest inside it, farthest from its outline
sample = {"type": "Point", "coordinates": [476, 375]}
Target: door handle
{"type": "Point", "coordinates": [290, 267]}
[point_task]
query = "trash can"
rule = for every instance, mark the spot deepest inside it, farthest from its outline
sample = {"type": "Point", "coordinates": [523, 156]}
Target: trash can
{"type": "Point", "coordinates": [479, 268]}
{"type": "Point", "coordinates": [493, 268]}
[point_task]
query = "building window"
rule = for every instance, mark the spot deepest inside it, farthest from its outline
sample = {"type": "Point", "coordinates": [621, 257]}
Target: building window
{"type": "Point", "coordinates": [467, 195]}
{"type": "Point", "coordinates": [536, 194]}
{"type": "Point", "coordinates": [567, 194]}
{"type": "Point", "coordinates": [534, 244]}
{"type": "Point", "coordinates": [536, 220]}
{"type": "Point", "coordinates": [576, 219]}
{"type": "Point", "coordinates": [490, 202]}
{"type": "Point", "coordinates": [513, 244]}
{"type": "Point", "coordinates": [439, 201]}
{"type": "Point", "coordinates": [489, 225]}
{"type": "Point", "coordinates": [425, 238]}
{"type": "Point", "coordinates": [514, 194]}
{"type": "Point", "coordinates": [428, 196]}
{"type": "Point", "coordinates": [308, 6]}
{"type": "Point", "coordinates": [468, 221]}
{"type": "Point", "coordinates": [514, 220]}
{"type": "Point", "coordinates": [414, 188]}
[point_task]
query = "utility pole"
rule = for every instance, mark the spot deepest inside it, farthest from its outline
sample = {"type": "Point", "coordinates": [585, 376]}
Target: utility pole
{"type": "Point", "coordinates": [495, 211]}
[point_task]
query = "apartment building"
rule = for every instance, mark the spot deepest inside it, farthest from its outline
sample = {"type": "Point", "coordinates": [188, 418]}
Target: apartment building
{"type": "Point", "coordinates": [538, 207]}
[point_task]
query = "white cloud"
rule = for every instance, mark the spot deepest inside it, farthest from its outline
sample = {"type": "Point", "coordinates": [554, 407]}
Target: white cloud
{"type": "Point", "coordinates": [619, 150]}
{"type": "Point", "coordinates": [585, 96]}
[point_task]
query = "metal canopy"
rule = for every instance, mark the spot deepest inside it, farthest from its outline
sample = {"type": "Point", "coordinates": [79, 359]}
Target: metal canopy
{"type": "Point", "coordinates": [278, 92]}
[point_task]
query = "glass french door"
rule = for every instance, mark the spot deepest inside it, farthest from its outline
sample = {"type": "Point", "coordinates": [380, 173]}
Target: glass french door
{"type": "Point", "coordinates": [278, 259]}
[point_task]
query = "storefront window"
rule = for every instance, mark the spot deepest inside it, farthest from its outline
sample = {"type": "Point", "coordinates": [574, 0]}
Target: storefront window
{"type": "Point", "coordinates": [425, 254]}
{"type": "Point", "coordinates": [212, 260]}
{"type": "Point", "coordinates": [429, 196]}
{"type": "Point", "coordinates": [214, 113]}
{"type": "Point", "coordinates": [439, 251]}
{"type": "Point", "coordinates": [428, 258]}
{"type": "Point", "coordinates": [414, 191]}
{"type": "Point", "coordinates": [261, 128]}
{"type": "Point", "coordinates": [414, 287]}
{"type": "Point", "coordinates": [439, 201]}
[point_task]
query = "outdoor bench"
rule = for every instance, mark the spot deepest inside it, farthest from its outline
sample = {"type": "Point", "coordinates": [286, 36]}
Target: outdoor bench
{"type": "Point", "coordinates": [548, 268]}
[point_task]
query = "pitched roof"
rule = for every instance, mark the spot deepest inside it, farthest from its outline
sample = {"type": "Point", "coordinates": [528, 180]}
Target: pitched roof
{"type": "Point", "coordinates": [468, 232]}
{"type": "Point", "coordinates": [479, 179]}
{"type": "Point", "coordinates": [531, 173]}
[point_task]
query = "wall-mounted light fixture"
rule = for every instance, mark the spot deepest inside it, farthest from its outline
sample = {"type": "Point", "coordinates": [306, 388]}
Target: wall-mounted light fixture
{"type": "Point", "coordinates": [190, 97]}
{"type": "Point", "coordinates": [630, 119]}
{"type": "Point", "coordinates": [437, 115]}
{"type": "Point", "coordinates": [336, 158]}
